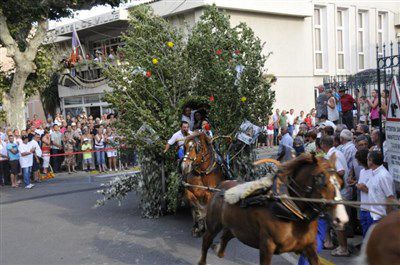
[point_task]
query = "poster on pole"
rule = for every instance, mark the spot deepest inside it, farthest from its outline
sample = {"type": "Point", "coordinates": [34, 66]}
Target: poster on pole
{"type": "Point", "coordinates": [393, 131]}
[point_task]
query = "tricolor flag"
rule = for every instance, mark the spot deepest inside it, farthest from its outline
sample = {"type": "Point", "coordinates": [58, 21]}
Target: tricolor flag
{"type": "Point", "coordinates": [75, 46]}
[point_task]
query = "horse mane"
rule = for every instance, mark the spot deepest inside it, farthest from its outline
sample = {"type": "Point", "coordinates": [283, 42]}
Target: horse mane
{"type": "Point", "coordinates": [288, 168]}
{"type": "Point", "coordinates": [194, 135]}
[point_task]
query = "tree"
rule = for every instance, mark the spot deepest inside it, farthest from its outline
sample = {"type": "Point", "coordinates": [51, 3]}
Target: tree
{"type": "Point", "coordinates": [23, 26]}
{"type": "Point", "coordinates": [162, 73]}
{"type": "Point", "coordinates": [148, 90]}
{"type": "Point", "coordinates": [229, 66]}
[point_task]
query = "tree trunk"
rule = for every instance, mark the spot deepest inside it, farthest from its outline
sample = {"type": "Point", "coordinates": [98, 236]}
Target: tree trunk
{"type": "Point", "coordinates": [14, 101]}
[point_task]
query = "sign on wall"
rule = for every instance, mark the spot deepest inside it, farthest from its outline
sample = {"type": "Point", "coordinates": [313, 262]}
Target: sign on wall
{"type": "Point", "coordinates": [92, 21]}
{"type": "Point", "coordinates": [393, 130]}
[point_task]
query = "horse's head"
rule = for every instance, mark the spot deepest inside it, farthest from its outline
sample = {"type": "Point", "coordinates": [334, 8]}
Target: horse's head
{"type": "Point", "coordinates": [196, 152]}
{"type": "Point", "coordinates": [314, 177]}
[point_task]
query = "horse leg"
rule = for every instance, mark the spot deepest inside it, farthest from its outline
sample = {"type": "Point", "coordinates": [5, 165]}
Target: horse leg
{"type": "Point", "coordinates": [267, 248]}
{"type": "Point", "coordinates": [311, 253]}
{"type": "Point", "coordinates": [207, 241]}
{"type": "Point", "coordinates": [225, 238]}
{"type": "Point", "coordinates": [195, 205]}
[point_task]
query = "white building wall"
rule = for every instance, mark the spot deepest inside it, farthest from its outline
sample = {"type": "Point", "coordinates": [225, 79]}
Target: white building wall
{"type": "Point", "coordinates": [291, 61]}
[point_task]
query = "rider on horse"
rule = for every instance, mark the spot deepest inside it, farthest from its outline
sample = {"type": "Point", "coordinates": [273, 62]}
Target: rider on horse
{"type": "Point", "coordinates": [179, 139]}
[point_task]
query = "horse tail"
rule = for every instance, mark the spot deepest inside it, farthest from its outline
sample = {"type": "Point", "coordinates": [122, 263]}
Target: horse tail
{"type": "Point", "coordinates": [362, 259]}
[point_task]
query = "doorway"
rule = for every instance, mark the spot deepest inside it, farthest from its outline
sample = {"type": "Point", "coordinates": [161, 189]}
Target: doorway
{"type": "Point", "coordinates": [94, 111]}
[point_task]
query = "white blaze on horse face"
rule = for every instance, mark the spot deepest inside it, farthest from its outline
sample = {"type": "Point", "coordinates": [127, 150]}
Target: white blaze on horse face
{"type": "Point", "coordinates": [186, 164]}
{"type": "Point", "coordinates": [340, 217]}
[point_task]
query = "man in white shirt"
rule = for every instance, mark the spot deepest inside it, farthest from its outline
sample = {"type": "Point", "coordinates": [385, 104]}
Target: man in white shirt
{"type": "Point", "coordinates": [179, 139]}
{"type": "Point", "coordinates": [380, 186]}
{"type": "Point", "coordinates": [290, 121]}
{"type": "Point", "coordinates": [343, 171]}
{"type": "Point", "coordinates": [188, 116]}
{"type": "Point", "coordinates": [26, 160]}
{"type": "Point", "coordinates": [36, 156]}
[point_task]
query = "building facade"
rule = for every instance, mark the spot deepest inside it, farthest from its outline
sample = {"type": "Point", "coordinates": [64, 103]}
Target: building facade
{"type": "Point", "coordinates": [309, 41]}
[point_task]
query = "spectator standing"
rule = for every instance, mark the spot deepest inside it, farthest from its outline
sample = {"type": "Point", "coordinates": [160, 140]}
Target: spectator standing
{"type": "Point", "coordinates": [26, 161]}
{"type": "Point", "coordinates": [37, 155]}
{"type": "Point", "coordinates": [374, 106]}
{"type": "Point", "coordinates": [364, 109]}
{"type": "Point", "coordinates": [13, 156]}
{"type": "Point", "coordinates": [275, 119]}
{"type": "Point", "coordinates": [111, 154]}
{"type": "Point", "coordinates": [347, 102]}
{"type": "Point", "coordinates": [99, 144]}
{"type": "Point", "coordinates": [56, 148]}
{"type": "Point", "coordinates": [46, 148]}
{"type": "Point", "coordinates": [270, 133]}
{"type": "Point", "coordinates": [308, 121]}
{"type": "Point", "coordinates": [87, 156]}
{"type": "Point", "coordinates": [321, 103]}
{"type": "Point", "coordinates": [283, 120]}
{"type": "Point", "coordinates": [69, 144]}
{"type": "Point", "coordinates": [3, 161]}
{"type": "Point", "coordinates": [290, 121]}
{"type": "Point", "coordinates": [365, 175]}
{"type": "Point", "coordinates": [380, 186]}
{"type": "Point", "coordinates": [342, 170]}
{"type": "Point", "coordinates": [285, 145]}
{"type": "Point", "coordinates": [333, 113]}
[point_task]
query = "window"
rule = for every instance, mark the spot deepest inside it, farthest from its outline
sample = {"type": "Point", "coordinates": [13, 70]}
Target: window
{"type": "Point", "coordinates": [361, 35]}
{"type": "Point", "coordinates": [381, 31]}
{"type": "Point", "coordinates": [318, 47]}
{"type": "Point", "coordinates": [340, 38]}
{"type": "Point", "coordinates": [72, 100]}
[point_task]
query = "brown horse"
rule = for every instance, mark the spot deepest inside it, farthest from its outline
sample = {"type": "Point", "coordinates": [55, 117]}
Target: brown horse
{"type": "Point", "coordinates": [382, 243]}
{"type": "Point", "coordinates": [199, 167]}
{"type": "Point", "coordinates": [259, 226]}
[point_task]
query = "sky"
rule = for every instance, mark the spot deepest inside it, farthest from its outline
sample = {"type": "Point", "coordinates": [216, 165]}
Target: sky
{"type": "Point", "coordinates": [95, 11]}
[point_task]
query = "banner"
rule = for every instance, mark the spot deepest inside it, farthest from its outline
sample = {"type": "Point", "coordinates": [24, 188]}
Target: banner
{"type": "Point", "coordinates": [393, 131]}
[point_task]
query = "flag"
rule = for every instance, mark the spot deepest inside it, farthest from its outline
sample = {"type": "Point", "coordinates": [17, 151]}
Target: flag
{"type": "Point", "coordinates": [75, 46]}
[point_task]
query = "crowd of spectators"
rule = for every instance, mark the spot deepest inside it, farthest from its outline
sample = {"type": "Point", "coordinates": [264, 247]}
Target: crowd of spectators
{"type": "Point", "coordinates": [74, 143]}
{"type": "Point", "coordinates": [359, 151]}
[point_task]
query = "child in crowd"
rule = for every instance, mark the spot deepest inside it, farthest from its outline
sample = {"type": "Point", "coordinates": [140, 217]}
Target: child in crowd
{"type": "Point", "coordinates": [87, 156]}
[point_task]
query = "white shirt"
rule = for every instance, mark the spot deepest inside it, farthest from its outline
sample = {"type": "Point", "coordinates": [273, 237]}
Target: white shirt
{"type": "Point", "coordinates": [39, 131]}
{"type": "Point", "coordinates": [328, 123]}
{"type": "Point", "coordinates": [35, 145]}
{"type": "Point", "coordinates": [365, 176]}
{"type": "Point", "coordinates": [286, 140]}
{"type": "Point", "coordinates": [190, 119]}
{"type": "Point", "coordinates": [290, 118]}
{"type": "Point", "coordinates": [340, 165]}
{"type": "Point", "coordinates": [3, 150]}
{"type": "Point", "coordinates": [349, 150]}
{"type": "Point", "coordinates": [178, 137]}
{"type": "Point", "coordinates": [380, 187]}
{"type": "Point", "coordinates": [25, 161]}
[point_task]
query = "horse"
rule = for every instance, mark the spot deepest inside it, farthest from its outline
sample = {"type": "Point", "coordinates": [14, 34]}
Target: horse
{"type": "Point", "coordinates": [382, 242]}
{"type": "Point", "coordinates": [200, 167]}
{"type": "Point", "coordinates": [278, 226]}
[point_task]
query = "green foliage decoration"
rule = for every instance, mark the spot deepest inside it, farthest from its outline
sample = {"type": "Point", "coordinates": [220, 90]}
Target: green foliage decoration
{"type": "Point", "coordinates": [217, 51]}
{"type": "Point", "coordinates": [162, 73]}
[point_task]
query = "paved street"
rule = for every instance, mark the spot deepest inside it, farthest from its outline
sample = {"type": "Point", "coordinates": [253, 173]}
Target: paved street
{"type": "Point", "coordinates": [55, 223]}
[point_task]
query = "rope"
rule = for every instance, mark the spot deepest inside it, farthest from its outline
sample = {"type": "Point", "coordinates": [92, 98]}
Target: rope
{"type": "Point", "coordinates": [324, 201]}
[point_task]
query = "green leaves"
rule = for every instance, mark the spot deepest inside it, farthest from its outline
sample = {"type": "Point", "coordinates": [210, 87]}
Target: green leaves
{"type": "Point", "coordinates": [219, 67]}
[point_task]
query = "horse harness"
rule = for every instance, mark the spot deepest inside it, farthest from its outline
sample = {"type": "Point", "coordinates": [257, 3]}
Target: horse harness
{"type": "Point", "coordinates": [213, 163]}
{"type": "Point", "coordinates": [285, 208]}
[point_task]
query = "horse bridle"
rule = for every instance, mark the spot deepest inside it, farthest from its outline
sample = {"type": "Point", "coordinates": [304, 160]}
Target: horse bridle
{"type": "Point", "coordinates": [210, 153]}
{"type": "Point", "coordinates": [318, 182]}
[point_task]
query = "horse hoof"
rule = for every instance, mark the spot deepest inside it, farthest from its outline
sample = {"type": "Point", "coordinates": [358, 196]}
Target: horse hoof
{"type": "Point", "coordinates": [201, 263]}
{"type": "Point", "coordinates": [196, 233]}
{"type": "Point", "coordinates": [215, 248]}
